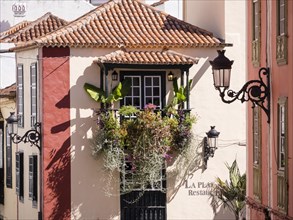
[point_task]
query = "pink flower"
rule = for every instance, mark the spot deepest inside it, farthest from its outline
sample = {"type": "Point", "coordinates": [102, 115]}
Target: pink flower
{"type": "Point", "coordinates": [150, 106]}
{"type": "Point", "coordinates": [167, 156]}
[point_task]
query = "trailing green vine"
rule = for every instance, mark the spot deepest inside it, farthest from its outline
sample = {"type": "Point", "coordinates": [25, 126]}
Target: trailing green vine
{"type": "Point", "coordinates": [138, 143]}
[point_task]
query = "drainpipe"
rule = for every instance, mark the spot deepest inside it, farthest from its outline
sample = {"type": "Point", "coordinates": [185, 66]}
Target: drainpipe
{"type": "Point", "coordinates": [187, 90]}
{"type": "Point", "coordinates": [268, 64]}
{"type": "Point", "coordinates": [182, 83]}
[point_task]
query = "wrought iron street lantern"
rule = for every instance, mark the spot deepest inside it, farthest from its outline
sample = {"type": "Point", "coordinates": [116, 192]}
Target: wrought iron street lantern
{"type": "Point", "coordinates": [170, 76]}
{"type": "Point", "coordinates": [256, 91]}
{"type": "Point", "coordinates": [210, 144]}
{"type": "Point", "coordinates": [32, 136]}
{"type": "Point", "coordinates": [114, 76]}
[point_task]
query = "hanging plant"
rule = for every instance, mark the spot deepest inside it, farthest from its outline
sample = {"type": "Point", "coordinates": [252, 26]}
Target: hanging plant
{"type": "Point", "coordinates": [139, 145]}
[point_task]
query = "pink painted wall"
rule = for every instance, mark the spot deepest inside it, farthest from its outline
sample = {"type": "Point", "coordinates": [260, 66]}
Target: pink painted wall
{"type": "Point", "coordinates": [56, 130]}
{"type": "Point", "coordinates": [281, 85]}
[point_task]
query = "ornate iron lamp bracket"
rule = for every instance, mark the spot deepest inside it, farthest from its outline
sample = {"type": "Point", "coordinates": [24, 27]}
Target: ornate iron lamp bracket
{"type": "Point", "coordinates": [32, 136]}
{"type": "Point", "coordinates": [256, 91]}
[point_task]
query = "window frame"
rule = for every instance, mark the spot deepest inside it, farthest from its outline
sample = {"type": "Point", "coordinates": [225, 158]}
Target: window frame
{"type": "Point", "coordinates": [257, 174]}
{"type": "Point", "coordinates": [8, 159]}
{"type": "Point", "coordinates": [256, 32]}
{"type": "Point", "coordinates": [19, 172]}
{"type": "Point", "coordinates": [281, 36]}
{"type": "Point", "coordinates": [282, 171]}
{"type": "Point", "coordinates": [33, 93]}
{"type": "Point", "coordinates": [20, 95]}
{"type": "Point", "coordinates": [33, 179]}
{"type": "Point", "coordinates": [142, 75]}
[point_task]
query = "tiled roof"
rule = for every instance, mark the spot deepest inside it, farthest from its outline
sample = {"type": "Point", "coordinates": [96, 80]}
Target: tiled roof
{"type": "Point", "coordinates": [146, 57]}
{"type": "Point", "coordinates": [9, 91]}
{"type": "Point", "coordinates": [128, 23]}
{"type": "Point", "coordinates": [38, 28]}
{"type": "Point", "coordinates": [13, 29]}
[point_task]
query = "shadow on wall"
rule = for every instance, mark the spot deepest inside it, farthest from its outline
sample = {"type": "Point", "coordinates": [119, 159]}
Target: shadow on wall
{"type": "Point", "coordinates": [224, 213]}
{"type": "Point", "coordinates": [183, 168]}
{"type": "Point", "coordinates": [74, 158]}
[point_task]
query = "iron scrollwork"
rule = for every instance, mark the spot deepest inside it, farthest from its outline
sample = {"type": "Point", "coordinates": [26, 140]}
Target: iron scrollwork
{"type": "Point", "coordinates": [256, 91]}
{"type": "Point", "coordinates": [32, 136]}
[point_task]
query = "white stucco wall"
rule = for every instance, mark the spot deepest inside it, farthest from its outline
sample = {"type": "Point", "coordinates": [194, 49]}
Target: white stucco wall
{"type": "Point", "coordinates": [227, 20]}
{"type": "Point", "coordinates": [88, 173]}
{"type": "Point", "coordinates": [88, 177]}
{"type": "Point", "coordinates": [9, 211]}
{"type": "Point", "coordinates": [25, 208]}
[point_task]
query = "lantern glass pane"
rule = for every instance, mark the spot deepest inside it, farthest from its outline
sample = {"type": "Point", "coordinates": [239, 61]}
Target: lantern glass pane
{"type": "Point", "coordinates": [226, 78]}
{"type": "Point", "coordinates": [12, 128]}
{"type": "Point", "coordinates": [216, 78]}
{"type": "Point", "coordinates": [222, 78]}
{"type": "Point", "coordinates": [213, 142]}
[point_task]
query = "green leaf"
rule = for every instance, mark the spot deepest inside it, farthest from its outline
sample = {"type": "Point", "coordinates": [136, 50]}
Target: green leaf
{"type": "Point", "coordinates": [94, 92]}
{"type": "Point", "coordinates": [175, 85]}
{"type": "Point", "coordinates": [234, 174]}
{"type": "Point", "coordinates": [180, 95]}
{"type": "Point", "coordinates": [126, 85]}
{"type": "Point", "coordinates": [189, 85]}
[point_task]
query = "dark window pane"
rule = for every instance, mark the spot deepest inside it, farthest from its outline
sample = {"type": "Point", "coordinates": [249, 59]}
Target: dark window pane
{"type": "Point", "coordinates": [136, 91]}
{"type": "Point", "coordinates": [135, 81]}
{"type": "Point", "coordinates": [157, 102]}
{"type": "Point", "coordinates": [136, 102]}
{"type": "Point", "coordinates": [148, 81]}
{"type": "Point", "coordinates": [148, 91]}
{"type": "Point", "coordinates": [148, 101]}
{"type": "Point", "coordinates": [156, 81]}
{"type": "Point", "coordinates": [128, 101]}
{"type": "Point", "coordinates": [156, 91]}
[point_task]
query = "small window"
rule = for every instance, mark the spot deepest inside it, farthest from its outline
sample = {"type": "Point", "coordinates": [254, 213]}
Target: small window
{"type": "Point", "coordinates": [257, 189]}
{"type": "Point", "coordinates": [282, 134]}
{"type": "Point", "coordinates": [8, 160]}
{"type": "Point", "coordinates": [146, 88]}
{"type": "Point", "coordinates": [256, 135]}
{"type": "Point", "coordinates": [282, 45]}
{"type": "Point", "coordinates": [256, 32]}
{"type": "Point", "coordinates": [20, 95]}
{"type": "Point", "coordinates": [33, 73]}
{"type": "Point", "coordinates": [19, 175]}
{"type": "Point", "coordinates": [282, 175]}
{"type": "Point", "coordinates": [33, 179]}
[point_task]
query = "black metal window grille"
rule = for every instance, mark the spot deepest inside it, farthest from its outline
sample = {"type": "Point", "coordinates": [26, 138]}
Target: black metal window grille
{"type": "Point", "coordinates": [20, 95]}
{"type": "Point", "coordinates": [1, 164]}
{"type": "Point", "coordinates": [33, 179]}
{"type": "Point", "coordinates": [19, 175]}
{"type": "Point", "coordinates": [33, 85]}
{"type": "Point", "coordinates": [8, 160]}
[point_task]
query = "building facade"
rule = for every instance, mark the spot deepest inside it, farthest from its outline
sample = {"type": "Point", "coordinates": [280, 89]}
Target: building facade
{"type": "Point", "coordinates": [70, 182]}
{"type": "Point", "coordinates": [269, 164]}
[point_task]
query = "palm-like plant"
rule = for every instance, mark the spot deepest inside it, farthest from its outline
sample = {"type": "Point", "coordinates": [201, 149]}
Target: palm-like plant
{"type": "Point", "coordinates": [231, 194]}
{"type": "Point", "coordinates": [99, 95]}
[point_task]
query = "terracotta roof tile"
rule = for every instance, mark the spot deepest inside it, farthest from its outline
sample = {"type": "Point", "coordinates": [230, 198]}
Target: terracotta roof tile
{"type": "Point", "coordinates": [130, 23]}
{"type": "Point", "coordinates": [146, 57]}
{"type": "Point", "coordinates": [13, 29]}
{"type": "Point", "coordinates": [9, 91]}
{"type": "Point", "coordinates": [40, 27]}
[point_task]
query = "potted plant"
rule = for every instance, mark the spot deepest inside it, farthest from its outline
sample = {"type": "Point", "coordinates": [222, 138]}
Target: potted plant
{"type": "Point", "coordinates": [231, 193]}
